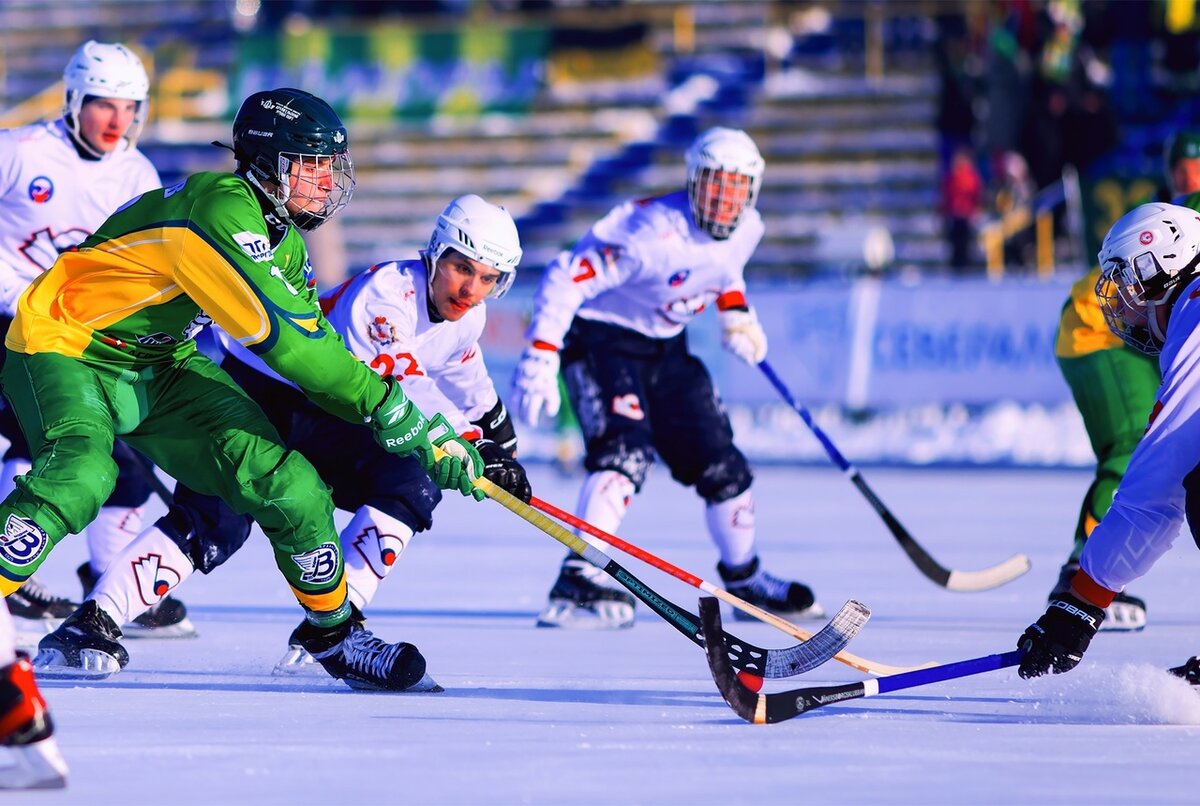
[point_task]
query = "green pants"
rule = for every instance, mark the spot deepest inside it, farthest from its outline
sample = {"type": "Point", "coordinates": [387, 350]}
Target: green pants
{"type": "Point", "coordinates": [193, 422]}
{"type": "Point", "coordinates": [1115, 390]}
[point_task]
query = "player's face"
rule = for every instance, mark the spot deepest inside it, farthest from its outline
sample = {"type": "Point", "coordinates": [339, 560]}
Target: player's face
{"type": "Point", "coordinates": [1185, 176]}
{"type": "Point", "coordinates": [104, 121]}
{"type": "Point", "coordinates": [311, 180]}
{"type": "Point", "coordinates": [459, 284]}
{"type": "Point", "coordinates": [722, 196]}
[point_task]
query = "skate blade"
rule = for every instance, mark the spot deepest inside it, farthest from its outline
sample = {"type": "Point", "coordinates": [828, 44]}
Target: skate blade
{"type": "Point", "coordinates": [602, 616]}
{"type": "Point", "coordinates": [33, 766]}
{"type": "Point", "coordinates": [1123, 617]}
{"type": "Point", "coordinates": [93, 665]}
{"type": "Point", "coordinates": [182, 629]}
{"type": "Point", "coordinates": [295, 661]}
{"type": "Point", "coordinates": [813, 612]}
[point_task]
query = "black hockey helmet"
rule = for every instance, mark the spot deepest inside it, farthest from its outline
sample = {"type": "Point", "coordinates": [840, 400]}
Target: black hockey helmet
{"type": "Point", "coordinates": [283, 133]}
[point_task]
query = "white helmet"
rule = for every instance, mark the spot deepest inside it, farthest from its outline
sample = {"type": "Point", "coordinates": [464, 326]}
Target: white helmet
{"type": "Point", "coordinates": [480, 231]}
{"type": "Point", "coordinates": [103, 70]}
{"type": "Point", "coordinates": [718, 200]}
{"type": "Point", "coordinates": [1150, 251]}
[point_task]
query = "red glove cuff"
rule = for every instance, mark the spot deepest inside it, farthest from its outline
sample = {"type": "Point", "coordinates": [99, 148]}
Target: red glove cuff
{"type": "Point", "coordinates": [732, 299]}
{"type": "Point", "coordinates": [544, 345]}
{"type": "Point", "coordinates": [1090, 591]}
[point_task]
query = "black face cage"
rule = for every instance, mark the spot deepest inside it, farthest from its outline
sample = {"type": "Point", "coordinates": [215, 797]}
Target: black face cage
{"type": "Point", "coordinates": [701, 207]}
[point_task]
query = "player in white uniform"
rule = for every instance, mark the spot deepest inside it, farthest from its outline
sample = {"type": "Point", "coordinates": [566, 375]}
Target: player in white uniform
{"type": "Point", "coordinates": [1150, 273]}
{"type": "Point", "coordinates": [419, 321]}
{"type": "Point", "coordinates": [26, 732]}
{"type": "Point", "coordinates": [58, 182]}
{"type": "Point", "coordinates": [615, 309]}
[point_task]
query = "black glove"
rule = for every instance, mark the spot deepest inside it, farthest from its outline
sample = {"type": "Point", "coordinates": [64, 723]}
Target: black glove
{"type": "Point", "coordinates": [501, 469]}
{"type": "Point", "coordinates": [1060, 637]}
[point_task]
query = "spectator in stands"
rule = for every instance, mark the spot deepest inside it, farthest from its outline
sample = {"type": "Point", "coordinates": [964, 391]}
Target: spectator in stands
{"type": "Point", "coordinates": [962, 200]}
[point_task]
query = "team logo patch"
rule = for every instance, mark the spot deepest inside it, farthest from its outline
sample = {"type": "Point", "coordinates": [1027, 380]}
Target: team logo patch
{"type": "Point", "coordinates": [379, 550]}
{"type": "Point", "coordinates": [154, 580]}
{"type": "Point", "coordinates": [319, 565]}
{"type": "Point", "coordinates": [1146, 237]}
{"type": "Point", "coordinates": [258, 247]}
{"type": "Point", "coordinates": [679, 278]}
{"type": "Point", "coordinates": [628, 406]}
{"type": "Point", "coordinates": [41, 189]}
{"type": "Point", "coordinates": [381, 330]}
{"type": "Point", "coordinates": [23, 541]}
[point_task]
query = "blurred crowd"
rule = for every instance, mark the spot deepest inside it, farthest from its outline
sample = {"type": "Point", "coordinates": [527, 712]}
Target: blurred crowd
{"type": "Point", "coordinates": [1029, 88]}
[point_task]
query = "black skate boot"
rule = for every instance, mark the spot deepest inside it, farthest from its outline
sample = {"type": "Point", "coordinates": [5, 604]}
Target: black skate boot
{"type": "Point", "coordinates": [37, 608]}
{"type": "Point", "coordinates": [27, 733]}
{"type": "Point", "coordinates": [1125, 614]}
{"type": "Point", "coordinates": [86, 646]}
{"type": "Point", "coordinates": [351, 653]}
{"type": "Point", "coordinates": [789, 600]}
{"type": "Point", "coordinates": [166, 619]}
{"type": "Point", "coordinates": [297, 660]}
{"type": "Point", "coordinates": [1189, 671]}
{"type": "Point", "coordinates": [583, 598]}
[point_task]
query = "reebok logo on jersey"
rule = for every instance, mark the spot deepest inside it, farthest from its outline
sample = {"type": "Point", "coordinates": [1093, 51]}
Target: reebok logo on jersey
{"type": "Point", "coordinates": [154, 580]}
{"type": "Point", "coordinates": [23, 541]}
{"type": "Point", "coordinates": [41, 189]}
{"type": "Point", "coordinates": [319, 565]}
{"type": "Point", "coordinates": [378, 550]}
{"type": "Point", "coordinates": [255, 245]}
{"type": "Point", "coordinates": [628, 406]}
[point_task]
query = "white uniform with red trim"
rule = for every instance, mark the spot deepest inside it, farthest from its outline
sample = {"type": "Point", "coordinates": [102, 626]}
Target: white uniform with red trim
{"type": "Point", "coordinates": [383, 315]}
{"type": "Point", "coordinates": [1148, 510]}
{"type": "Point", "coordinates": [661, 270]}
{"type": "Point", "coordinates": [51, 199]}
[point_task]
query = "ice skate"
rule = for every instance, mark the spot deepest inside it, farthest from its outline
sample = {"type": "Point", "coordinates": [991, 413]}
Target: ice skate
{"type": "Point", "coordinates": [36, 609]}
{"type": "Point", "coordinates": [1189, 671]}
{"type": "Point", "coordinates": [296, 660]}
{"type": "Point", "coordinates": [583, 599]}
{"type": "Point", "coordinates": [165, 619]}
{"type": "Point", "coordinates": [353, 654]}
{"type": "Point", "coordinates": [1125, 614]}
{"type": "Point", "coordinates": [29, 758]}
{"type": "Point", "coordinates": [790, 600]}
{"type": "Point", "coordinates": [86, 646]}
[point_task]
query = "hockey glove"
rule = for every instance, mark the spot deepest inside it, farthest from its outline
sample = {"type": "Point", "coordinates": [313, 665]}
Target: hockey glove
{"type": "Point", "coordinates": [460, 466]}
{"type": "Point", "coordinates": [399, 426]}
{"type": "Point", "coordinates": [742, 335]}
{"type": "Point", "coordinates": [503, 470]}
{"type": "Point", "coordinates": [535, 383]}
{"type": "Point", "coordinates": [1056, 641]}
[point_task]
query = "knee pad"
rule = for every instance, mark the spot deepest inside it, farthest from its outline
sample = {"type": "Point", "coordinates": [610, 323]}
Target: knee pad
{"type": "Point", "coordinates": [726, 478]}
{"type": "Point", "coordinates": [204, 528]}
{"type": "Point", "coordinates": [404, 493]}
{"type": "Point", "coordinates": [631, 458]}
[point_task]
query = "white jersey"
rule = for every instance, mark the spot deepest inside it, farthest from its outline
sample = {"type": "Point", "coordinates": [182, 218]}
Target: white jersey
{"type": "Point", "coordinates": [51, 199]}
{"type": "Point", "coordinates": [664, 270]}
{"type": "Point", "coordinates": [383, 316]}
{"type": "Point", "coordinates": [1148, 510]}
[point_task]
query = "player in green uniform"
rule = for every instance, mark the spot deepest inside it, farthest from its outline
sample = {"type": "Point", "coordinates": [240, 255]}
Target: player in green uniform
{"type": "Point", "coordinates": [102, 346]}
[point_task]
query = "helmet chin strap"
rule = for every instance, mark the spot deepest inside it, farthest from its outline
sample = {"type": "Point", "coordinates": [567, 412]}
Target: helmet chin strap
{"type": "Point", "coordinates": [280, 206]}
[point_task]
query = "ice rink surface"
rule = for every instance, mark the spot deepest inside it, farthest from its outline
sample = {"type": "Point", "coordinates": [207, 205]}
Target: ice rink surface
{"type": "Point", "coordinates": [546, 716]}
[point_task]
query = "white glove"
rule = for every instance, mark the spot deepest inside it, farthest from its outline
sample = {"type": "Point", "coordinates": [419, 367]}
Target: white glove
{"type": "Point", "coordinates": [535, 384]}
{"type": "Point", "coordinates": [742, 335]}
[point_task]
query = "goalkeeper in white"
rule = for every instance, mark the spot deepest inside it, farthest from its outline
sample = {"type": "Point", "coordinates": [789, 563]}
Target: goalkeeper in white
{"type": "Point", "coordinates": [612, 313]}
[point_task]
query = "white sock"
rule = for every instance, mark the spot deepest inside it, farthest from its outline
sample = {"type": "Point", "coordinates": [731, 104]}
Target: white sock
{"type": "Point", "coordinates": [371, 544]}
{"type": "Point", "coordinates": [603, 502]}
{"type": "Point", "coordinates": [731, 525]}
{"type": "Point", "coordinates": [8, 637]}
{"type": "Point", "coordinates": [140, 576]}
{"type": "Point", "coordinates": [9, 471]}
{"type": "Point", "coordinates": [112, 530]}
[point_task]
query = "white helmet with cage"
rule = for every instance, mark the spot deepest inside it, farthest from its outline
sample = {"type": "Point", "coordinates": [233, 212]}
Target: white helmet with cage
{"type": "Point", "coordinates": [724, 171]}
{"type": "Point", "coordinates": [1148, 253]}
{"type": "Point", "coordinates": [480, 231]}
{"type": "Point", "coordinates": [104, 70]}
